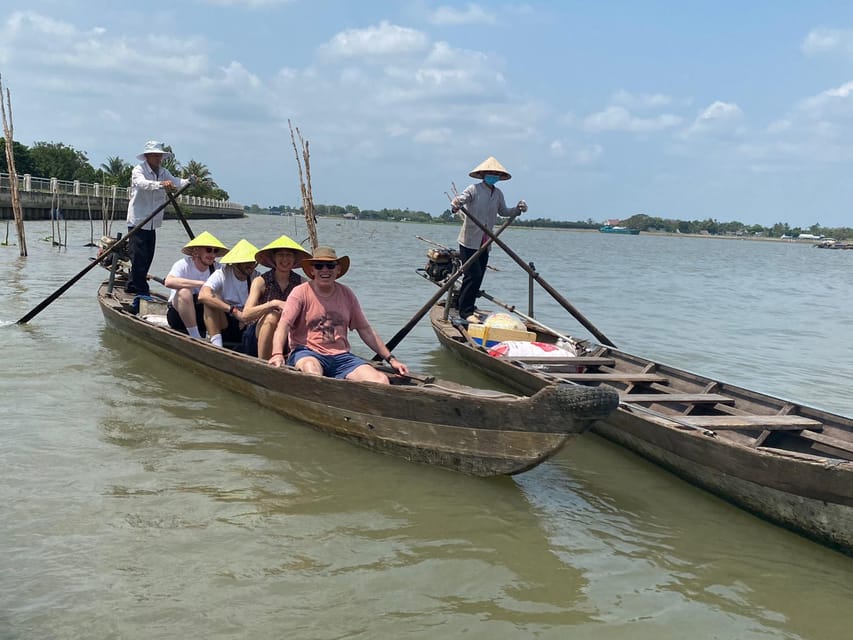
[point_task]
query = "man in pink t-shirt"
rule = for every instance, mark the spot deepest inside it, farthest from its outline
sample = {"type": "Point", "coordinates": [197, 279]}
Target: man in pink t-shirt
{"type": "Point", "coordinates": [318, 315]}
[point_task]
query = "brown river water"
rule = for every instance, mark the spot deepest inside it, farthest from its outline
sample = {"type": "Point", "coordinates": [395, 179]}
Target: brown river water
{"type": "Point", "coordinates": [139, 501]}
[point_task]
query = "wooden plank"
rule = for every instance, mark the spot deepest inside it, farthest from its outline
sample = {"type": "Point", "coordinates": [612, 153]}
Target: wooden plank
{"type": "Point", "coordinates": [774, 422]}
{"type": "Point", "coordinates": [581, 361]}
{"type": "Point", "coordinates": [681, 398]}
{"type": "Point", "coordinates": [830, 444]}
{"type": "Point", "coordinates": [611, 377]}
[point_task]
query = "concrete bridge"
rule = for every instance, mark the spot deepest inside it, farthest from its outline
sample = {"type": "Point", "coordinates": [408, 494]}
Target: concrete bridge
{"type": "Point", "coordinates": [43, 198]}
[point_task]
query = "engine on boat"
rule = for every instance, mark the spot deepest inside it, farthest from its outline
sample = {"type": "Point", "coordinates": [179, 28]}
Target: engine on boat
{"type": "Point", "coordinates": [441, 263]}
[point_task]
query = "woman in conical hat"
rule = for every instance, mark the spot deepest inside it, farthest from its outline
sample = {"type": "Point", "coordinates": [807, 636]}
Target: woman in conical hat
{"type": "Point", "coordinates": [484, 202]}
{"type": "Point", "coordinates": [186, 277]}
{"type": "Point", "coordinates": [268, 293]}
{"type": "Point", "coordinates": [225, 293]}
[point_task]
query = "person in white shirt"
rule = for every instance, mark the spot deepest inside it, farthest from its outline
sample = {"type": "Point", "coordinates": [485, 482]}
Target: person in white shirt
{"type": "Point", "coordinates": [149, 183]}
{"type": "Point", "coordinates": [225, 292]}
{"type": "Point", "coordinates": [185, 313]}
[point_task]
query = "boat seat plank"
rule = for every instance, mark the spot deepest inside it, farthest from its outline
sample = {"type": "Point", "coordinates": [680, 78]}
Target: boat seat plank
{"type": "Point", "coordinates": [581, 361]}
{"type": "Point", "coordinates": [829, 442]}
{"type": "Point", "coordinates": [611, 377]}
{"type": "Point", "coordinates": [680, 398]}
{"type": "Point", "coordinates": [774, 422]}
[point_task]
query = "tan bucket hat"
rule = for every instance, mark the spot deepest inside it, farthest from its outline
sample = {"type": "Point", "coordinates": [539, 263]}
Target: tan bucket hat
{"type": "Point", "coordinates": [325, 254]}
{"type": "Point", "coordinates": [241, 253]}
{"type": "Point", "coordinates": [489, 165]}
{"type": "Point", "coordinates": [265, 256]}
{"type": "Point", "coordinates": [205, 239]}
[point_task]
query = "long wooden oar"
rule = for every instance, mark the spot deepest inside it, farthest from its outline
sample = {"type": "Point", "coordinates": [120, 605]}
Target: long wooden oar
{"type": "Point", "coordinates": [402, 333]}
{"type": "Point", "coordinates": [533, 274]}
{"type": "Point", "coordinates": [180, 213]}
{"type": "Point", "coordinates": [112, 249]}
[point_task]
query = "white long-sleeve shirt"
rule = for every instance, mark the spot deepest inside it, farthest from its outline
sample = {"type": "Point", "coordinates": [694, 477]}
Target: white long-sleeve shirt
{"type": "Point", "coordinates": [146, 194]}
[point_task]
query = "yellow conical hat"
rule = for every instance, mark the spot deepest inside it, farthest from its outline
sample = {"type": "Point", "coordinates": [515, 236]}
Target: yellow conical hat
{"type": "Point", "coordinates": [489, 165]}
{"type": "Point", "coordinates": [205, 239]}
{"type": "Point", "coordinates": [265, 255]}
{"type": "Point", "coordinates": [242, 252]}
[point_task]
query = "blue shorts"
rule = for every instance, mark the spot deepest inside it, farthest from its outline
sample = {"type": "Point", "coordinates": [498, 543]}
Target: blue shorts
{"type": "Point", "coordinates": [339, 366]}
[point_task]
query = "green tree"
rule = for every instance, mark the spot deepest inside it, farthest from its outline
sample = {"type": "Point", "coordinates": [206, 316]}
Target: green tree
{"type": "Point", "coordinates": [56, 160]}
{"type": "Point", "coordinates": [23, 161]}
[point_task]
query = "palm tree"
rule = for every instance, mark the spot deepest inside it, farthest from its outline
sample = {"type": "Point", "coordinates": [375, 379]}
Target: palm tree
{"type": "Point", "coordinates": [116, 171]}
{"type": "Point", "coordinates": [205, 185]}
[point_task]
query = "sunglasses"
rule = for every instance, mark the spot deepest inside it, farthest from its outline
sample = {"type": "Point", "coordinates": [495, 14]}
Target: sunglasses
{"type": "Point", "coordinates": [209, 250]}
{"type": "Point", "coordinates": [324, 265]}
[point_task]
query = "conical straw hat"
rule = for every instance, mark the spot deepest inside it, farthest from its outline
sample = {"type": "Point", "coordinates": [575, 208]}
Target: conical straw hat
{"type": "Point", "coordinates": [205, 239]}
{"type": "Point", "coordinates": [242, 252]}
{"type": "Point", "coordinates": [265, 255]}
{"type": "Point", "coordinates": [489, 165]}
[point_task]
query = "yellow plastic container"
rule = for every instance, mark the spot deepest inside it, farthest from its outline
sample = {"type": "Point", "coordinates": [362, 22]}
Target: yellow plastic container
{"type": "Point", "coordinates": [481, 333]}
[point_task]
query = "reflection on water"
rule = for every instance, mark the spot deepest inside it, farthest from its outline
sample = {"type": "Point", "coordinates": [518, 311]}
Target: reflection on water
{"type": "Point", "coordinates": [142, 501]}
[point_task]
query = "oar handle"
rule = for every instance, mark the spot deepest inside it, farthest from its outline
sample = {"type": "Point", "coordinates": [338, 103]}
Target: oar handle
{"type": "Point", "coordinates": [533, 274]}
{"type": "Point", "coordinates": [108, 252]}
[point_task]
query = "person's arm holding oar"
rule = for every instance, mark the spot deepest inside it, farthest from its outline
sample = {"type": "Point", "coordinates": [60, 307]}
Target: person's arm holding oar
{"type": "Point", "coordinates": [107, 253]}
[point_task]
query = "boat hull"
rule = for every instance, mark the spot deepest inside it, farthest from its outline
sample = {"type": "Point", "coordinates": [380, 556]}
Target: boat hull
{"type": "Point", "coordinates": [790, 483]}
{"type": "Point", "coordinates": [438, 423]}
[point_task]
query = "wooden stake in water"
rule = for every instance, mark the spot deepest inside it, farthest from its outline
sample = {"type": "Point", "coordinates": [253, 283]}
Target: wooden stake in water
{"type": "Point", "coordinates": [305, 187]}
{"type": "Point", "coordinates": [9, 134]}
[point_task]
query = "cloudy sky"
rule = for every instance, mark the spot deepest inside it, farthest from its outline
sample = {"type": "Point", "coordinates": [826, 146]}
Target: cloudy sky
{"type": "Point", "coordinates": [730, 110]}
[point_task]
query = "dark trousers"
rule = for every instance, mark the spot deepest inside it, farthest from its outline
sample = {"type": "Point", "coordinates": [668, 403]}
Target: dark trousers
{"type": "Point", "coordinates": [141, 246]}
{"type": "Point", "coordinates": [177, 323]}
{"type": "Point", "coordinates": [472, 280]}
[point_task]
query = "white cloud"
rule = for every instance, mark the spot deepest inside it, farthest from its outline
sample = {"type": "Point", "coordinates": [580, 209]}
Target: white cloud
{"type": "Point", "coordinates": [825, 40]}
{"type": "Point", "coordinates": [641, 100]}
{"type": "Point", "coordinates": [472, 14]}
{"type": "Point", "coordinates": [832, 102]}
{"type": "Point", "coordinates": [616, 118]}
{"type": "Point", "coordinates": [720, 119]}
{"type": "Point", "coordinates": [384, 41]}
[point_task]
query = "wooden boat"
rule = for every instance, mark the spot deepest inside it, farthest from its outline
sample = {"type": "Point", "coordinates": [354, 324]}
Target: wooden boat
{"type": "Point", "coordinates": [478, 432]}
{"type": "Point", "coordinates": [788, 463]}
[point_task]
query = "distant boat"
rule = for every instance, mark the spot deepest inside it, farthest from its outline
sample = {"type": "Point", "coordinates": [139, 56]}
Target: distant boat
{"type": "Point", "coordinates": [608, 228]}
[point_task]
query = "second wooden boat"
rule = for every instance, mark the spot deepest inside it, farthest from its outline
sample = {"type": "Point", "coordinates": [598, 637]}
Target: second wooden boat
{"type": "Point", "coordinates": [786, 462]}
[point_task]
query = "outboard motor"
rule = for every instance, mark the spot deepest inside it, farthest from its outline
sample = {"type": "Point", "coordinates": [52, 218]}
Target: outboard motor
{"type": "Point", "coordinates": [441, 263]}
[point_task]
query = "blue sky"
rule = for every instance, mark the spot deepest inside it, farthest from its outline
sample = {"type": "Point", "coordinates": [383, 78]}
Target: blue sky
{"type": "Point", "coordinates": [690, 110]}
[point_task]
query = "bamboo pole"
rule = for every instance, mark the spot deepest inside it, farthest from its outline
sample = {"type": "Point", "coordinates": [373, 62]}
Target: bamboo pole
{"type": "Point", "coordinates": [305, 187]}
{"type": "Point", "coordinates": [9, 134]}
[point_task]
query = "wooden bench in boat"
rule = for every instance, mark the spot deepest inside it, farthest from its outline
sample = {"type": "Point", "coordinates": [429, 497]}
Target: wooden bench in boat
{"type": "Point", "coordinates": [828, 444]}
{"type": "Point", "coordinates": [772, 423]}
{"type": "Point", "coordinates": [611, 377]}
{"type": "Point", "coordinates": [680, 398]}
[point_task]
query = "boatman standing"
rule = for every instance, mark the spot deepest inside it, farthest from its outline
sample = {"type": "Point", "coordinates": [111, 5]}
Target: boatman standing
{"type": "Point", "coordinates": [485, 202]}
{"type": "Point", "coordinates": [148, 186]}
